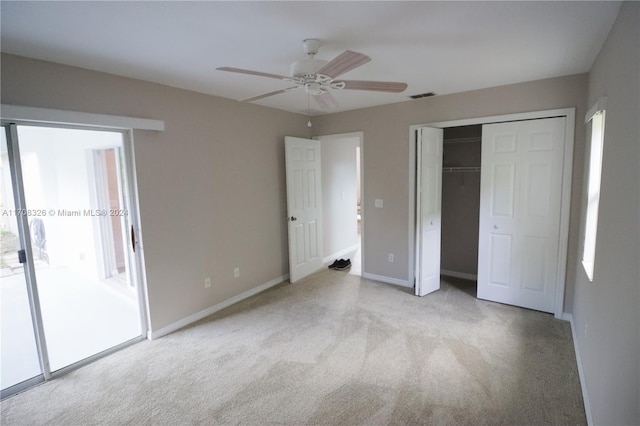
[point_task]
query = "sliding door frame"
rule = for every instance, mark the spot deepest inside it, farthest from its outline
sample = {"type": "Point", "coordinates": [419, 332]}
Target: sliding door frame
{"type": "Point", "coordinates": [12, 116]}
{"type": "Point", "coordinates": [15, 166]}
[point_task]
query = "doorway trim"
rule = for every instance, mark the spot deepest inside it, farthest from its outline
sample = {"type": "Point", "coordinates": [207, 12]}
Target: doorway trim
{"type": "Point", "coordinates": [59, 117]}
{"type": "Point", "coordinates": [360, 136]}
{"type": "Point", "coordinates": [567, 173]}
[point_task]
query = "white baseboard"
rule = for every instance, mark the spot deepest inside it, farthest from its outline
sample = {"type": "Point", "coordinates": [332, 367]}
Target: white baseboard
{"type": "Point", "coordinates": [155, 334]}
{"type": "Point", "coordinates": [455, 274]}
{"type": "Point", "coordinates": [388, 280]}
{"type": "Point", "coordinates": [585, 396]}
{"type": "Point", "coordinates": [339, 254]}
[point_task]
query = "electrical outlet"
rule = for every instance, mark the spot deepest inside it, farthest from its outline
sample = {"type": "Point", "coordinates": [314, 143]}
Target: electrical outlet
{"type": "Point", "coordinates": [236, 272]}
{"type": "Point", "coordinates": [378, 203]}
{"type": "Point", "coordinates": [207, 282]}
{"type": "Point", "coordinates": [390, 257]}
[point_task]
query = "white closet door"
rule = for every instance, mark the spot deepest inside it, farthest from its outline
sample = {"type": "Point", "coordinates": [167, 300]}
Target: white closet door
{"type": "Point", "coordinates": [429, 210]}
{"type": "Point", "coordinates": [520, 206]}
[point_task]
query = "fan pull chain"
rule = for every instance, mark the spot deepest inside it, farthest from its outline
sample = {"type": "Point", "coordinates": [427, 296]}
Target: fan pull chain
{"type": "Point", "coordinates": [309, 108]}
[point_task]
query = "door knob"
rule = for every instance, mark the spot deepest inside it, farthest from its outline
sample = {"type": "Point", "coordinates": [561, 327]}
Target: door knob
{"type": "Point", "coordinates": [495, 226]}
{"type": "Point", "coordinates": [293, 218]}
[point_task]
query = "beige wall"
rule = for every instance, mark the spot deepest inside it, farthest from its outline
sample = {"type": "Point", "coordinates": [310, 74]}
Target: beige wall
{"type": "Point", "coordinates": [609, 307]}
{"type": "Point", "coordinates": [386, 157]}
{"type": "Point", "coordinates": [211, 187]}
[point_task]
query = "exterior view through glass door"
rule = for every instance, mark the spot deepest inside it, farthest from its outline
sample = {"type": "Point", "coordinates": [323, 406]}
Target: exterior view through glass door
{"type": "Point", "coordinates": [76, 202]}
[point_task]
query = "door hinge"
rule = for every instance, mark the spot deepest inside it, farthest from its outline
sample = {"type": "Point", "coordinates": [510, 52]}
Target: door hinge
{"type": "Point", "coordinates": [22, 256]}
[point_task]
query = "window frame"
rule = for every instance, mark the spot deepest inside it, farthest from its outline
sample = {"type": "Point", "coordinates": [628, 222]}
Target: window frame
{"type": "Point", "coordinates": [595, 118]}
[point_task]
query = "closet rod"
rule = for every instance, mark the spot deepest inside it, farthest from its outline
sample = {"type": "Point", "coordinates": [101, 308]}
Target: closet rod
{"type": "Point", "coordinates": [461, 169]}
{"type": "Point", "coordinates": [463, 140]}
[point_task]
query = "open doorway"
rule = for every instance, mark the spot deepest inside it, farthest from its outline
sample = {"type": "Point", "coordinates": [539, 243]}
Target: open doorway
{"type": "Point", "coordinates": [342, 200]}
{"type": "Point", "coordinates": [109, 194]}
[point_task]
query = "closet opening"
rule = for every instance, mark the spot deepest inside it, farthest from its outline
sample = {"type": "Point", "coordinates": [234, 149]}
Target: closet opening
{"type": "Point", "coordinates": [523, 217]}
{"type": "Point", "coordinates": [461, 160]}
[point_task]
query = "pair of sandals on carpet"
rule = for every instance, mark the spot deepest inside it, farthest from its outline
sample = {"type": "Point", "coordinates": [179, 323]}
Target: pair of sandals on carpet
{"type": "Point", "coordinates": [340, 265]}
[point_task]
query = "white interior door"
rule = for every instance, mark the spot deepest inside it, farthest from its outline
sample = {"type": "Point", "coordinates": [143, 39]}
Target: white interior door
{"type": "Point", "coordinates": [429, 210]}
{"type": "Point", "coordinates": [520, 206]}
{"type": "Point", "coordinates": [304, 206]}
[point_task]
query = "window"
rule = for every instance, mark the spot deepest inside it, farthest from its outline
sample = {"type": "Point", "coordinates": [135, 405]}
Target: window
{"type": "Point", "coordinates": [596, 117]}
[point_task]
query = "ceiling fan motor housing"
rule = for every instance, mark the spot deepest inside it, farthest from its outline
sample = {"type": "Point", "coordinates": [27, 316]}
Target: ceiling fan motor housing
{"type": "Point", "coordinates": [306, 67]}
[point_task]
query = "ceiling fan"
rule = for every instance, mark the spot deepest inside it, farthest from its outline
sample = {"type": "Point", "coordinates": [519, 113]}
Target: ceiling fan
{"type": "Point", "coordinates": [318, 76]}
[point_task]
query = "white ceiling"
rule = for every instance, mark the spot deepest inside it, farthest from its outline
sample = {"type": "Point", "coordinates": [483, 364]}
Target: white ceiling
{"type": "Point", "coordinates": [445, 47]}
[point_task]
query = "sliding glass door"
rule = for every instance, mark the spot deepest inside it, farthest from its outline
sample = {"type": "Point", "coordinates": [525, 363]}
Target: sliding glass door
{"type": "Point", "coordinates": [19, 360]}
{"type": "Point", "coordinates": [76, 204]}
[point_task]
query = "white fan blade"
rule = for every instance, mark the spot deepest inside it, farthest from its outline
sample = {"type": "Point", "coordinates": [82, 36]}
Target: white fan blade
{"type": "Point", "coordinates": [250, 72]}
{"type": "Point", "coordinates": [326, 101]}
{"type": "Point", "coordinates": [376, 86]}
{"type": "Point", "coordinates": [265, 95]}
{"type": "Point", "coordinates": [343, 63]}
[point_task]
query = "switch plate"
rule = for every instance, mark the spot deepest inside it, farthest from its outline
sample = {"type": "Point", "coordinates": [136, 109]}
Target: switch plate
{"type": "Point", "coordinates": [236, 272]}
{"type": "Point", "coordinates": [207, 282]}
{"type": "Point", "coordinates": [379, 203]}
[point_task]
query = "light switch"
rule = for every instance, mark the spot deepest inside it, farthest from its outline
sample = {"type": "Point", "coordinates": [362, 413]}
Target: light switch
{"type": "Point", "coordinates": [378, 203]}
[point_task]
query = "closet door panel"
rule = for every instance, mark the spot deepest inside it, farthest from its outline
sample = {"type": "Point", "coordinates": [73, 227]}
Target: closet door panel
{"type": "Point", "coordinates": [502, 189]}
{"type": "Point", "coordinates": [520, 202]}
{"type": "Point", "coordinates": [429, 210]}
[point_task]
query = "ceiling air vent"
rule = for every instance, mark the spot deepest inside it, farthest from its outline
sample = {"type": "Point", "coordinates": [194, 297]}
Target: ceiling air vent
{"type": "Point", "coordinates": [423, 95]}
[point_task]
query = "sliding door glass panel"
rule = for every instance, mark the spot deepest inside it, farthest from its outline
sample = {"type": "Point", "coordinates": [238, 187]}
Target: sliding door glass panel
{"type": "Point", "coordinates": [19, 360]}
{"type": "Point", "coordinates": [78, 223]}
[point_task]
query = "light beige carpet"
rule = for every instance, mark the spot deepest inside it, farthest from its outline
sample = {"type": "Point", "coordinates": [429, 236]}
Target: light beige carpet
{"type": "Point", "coordinates": [332, 349]}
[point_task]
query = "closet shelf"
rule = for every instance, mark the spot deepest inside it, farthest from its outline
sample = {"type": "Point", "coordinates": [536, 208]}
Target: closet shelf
{"type": "Point", "coordinates": [461, 169]}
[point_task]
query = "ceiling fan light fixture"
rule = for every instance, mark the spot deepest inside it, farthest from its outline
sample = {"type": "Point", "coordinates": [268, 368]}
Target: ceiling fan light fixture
{"type": "Point", "coordinates": [314, 89]}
